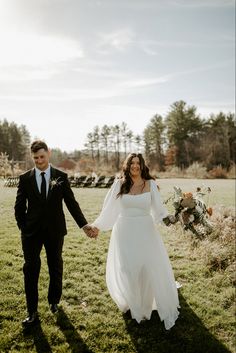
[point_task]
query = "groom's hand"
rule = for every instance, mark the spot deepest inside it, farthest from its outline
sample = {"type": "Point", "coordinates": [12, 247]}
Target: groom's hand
{"type": "Point", "coordinates": [90, 231]}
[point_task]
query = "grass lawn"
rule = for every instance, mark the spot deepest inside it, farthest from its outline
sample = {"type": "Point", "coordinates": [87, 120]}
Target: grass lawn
{"type": "Point", "coordinates": [89, 321]}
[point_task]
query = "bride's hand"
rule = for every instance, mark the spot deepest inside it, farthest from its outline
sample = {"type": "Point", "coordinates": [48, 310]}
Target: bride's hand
{"type": "Point", "coordinates": [95, 231]}
{"type": "Point", "coordinates": [170, 219]}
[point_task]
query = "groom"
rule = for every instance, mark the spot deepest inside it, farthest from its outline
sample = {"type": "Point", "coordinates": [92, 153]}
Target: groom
{"type": "Point", "coordinates": [40, 218]}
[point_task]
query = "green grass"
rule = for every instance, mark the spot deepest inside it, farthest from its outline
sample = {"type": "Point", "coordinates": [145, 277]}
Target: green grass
{"type": "Point", "coordinates": [89, 321]}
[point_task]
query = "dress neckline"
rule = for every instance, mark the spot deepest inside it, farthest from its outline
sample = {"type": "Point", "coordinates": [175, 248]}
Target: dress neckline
{"type": "Point", "coordinates": [142, 193]}
{"type": "Point", "coordinates": [146, 192]}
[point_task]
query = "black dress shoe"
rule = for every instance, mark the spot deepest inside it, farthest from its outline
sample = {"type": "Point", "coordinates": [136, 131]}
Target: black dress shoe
{"type": "Point", "coordinates": [54, 308]}
{"type": "Point", "coordinates": [31, 320]}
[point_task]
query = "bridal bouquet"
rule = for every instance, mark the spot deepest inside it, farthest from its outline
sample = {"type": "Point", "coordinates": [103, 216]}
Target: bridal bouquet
{"type": "Point", "coordinates": [191, 210]}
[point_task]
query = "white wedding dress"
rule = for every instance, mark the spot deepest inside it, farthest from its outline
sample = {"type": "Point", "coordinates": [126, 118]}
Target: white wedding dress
{"type": "Point", "coordinates": [138, 272]}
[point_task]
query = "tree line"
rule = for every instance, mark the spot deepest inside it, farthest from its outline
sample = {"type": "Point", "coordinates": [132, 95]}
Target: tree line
{"type": "Point", "coordinates": [180, 138]}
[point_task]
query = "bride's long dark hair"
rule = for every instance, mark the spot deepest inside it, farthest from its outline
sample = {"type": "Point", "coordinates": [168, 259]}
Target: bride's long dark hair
{"type": "Point", "coordinates": [127, 180]}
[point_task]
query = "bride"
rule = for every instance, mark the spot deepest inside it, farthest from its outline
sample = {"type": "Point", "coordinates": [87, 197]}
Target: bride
{"type": "Point", "coordinates": [138, 271]}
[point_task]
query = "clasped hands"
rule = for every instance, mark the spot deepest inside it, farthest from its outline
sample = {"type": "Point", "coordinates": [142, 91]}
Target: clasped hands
{"type": "Point", "coordinates": [90, 231]}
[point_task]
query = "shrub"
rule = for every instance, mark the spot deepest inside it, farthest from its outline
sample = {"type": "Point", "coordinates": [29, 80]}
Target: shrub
{"type": "Point", "coordinates": [218, 249]}
{"type": "Point", "coordinates": [196, 170]}
{"type": "Point", "coordinates": [218, 173]}
{"type": "Point", "coordinates": [232, 172]}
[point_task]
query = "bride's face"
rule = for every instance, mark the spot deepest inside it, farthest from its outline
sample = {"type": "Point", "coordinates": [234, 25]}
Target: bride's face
{"type": "Point", "coordinates": [135, 169]}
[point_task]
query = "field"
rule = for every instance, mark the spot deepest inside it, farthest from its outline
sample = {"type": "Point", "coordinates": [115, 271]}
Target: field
{"type": "Point", "coordinates": [89, 321]}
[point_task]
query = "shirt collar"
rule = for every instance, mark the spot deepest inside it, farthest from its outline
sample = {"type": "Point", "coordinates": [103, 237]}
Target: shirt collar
{"type": "Point", "coordinates": [46, 171]}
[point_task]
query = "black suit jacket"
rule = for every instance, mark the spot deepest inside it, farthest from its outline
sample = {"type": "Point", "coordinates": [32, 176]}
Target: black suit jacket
{"type": "Point", "coordinates": [34, 215]}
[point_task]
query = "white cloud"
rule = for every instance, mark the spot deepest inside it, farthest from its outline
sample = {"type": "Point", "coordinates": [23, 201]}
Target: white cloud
{"type": "Point", "coordinates": [17, 74]}
{"type": "Point", "coordinates": [20, 49]}
{"type": "Point", "coordinates": [64, 95]}
{"type": "Point", "coordinates": [31, 56]}
{"type": "Point", "coordinates": [110, 89]}
{"type": "Point", "coordinates": [136, 83]}
{"type": "Point", "coordinates": [118, 40]}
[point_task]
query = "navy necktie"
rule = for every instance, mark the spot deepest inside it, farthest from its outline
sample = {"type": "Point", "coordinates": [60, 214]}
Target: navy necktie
{"type": "Point", "coordinates": [43, 186]}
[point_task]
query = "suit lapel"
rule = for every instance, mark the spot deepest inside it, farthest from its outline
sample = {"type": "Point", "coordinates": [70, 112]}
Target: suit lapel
{"type": "Point", "coordinates": [52, 177]}
{"type": "Point", "coordinates": [34, 183]}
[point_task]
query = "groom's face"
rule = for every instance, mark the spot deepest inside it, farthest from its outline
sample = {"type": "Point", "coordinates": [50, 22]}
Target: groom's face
{"type": "Point", "coordinates": [41, 159]}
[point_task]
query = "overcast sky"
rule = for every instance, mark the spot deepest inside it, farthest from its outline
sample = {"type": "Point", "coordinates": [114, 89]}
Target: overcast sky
{"type": "Point", "coordinates": [68, 65]}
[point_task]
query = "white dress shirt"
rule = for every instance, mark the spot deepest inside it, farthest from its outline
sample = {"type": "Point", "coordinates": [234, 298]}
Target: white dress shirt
{"type": "Point", "coordinates": [47, 176]}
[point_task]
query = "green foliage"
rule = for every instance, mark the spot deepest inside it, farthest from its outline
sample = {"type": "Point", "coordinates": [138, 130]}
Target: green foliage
{"type": "Point", "coordinates": [57, 156]}
{"type": "Point", "coordinates": [220, 140]}
{"type": "Point", "coordinates": [183, 129]}
{"type": "Point", "coordinates": [14, 140]}
{"type": "Point", "coordinates": [154, 140]}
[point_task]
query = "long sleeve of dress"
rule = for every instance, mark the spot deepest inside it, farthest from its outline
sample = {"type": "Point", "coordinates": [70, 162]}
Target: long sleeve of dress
{"type": "Point", "coordinates": [110, 210]}
{"type": "Point", "coordinates": [158, 210]}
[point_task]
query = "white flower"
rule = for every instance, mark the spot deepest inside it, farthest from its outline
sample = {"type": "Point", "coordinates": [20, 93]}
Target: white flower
{"type": "Point", "coordinates": [55, 182]}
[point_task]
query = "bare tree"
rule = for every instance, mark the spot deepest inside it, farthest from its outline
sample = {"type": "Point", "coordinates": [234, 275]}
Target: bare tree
{"type": "Point", "coordinates": [105, 135]}
{"type": "Point", "coordinates": [117, 142]}
{"type": "Point", "coordinates": [154, 140]}
{"type": "Point", "coordinates": [90, 144]}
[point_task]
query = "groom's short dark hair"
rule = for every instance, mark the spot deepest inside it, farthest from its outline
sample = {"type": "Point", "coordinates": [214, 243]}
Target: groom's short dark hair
{"type": "Point", "coordinates": [38, 145]}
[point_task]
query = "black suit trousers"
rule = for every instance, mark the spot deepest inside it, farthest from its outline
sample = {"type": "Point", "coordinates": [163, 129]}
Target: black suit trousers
{"type": "Point", "coordinates": [32, 247]}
